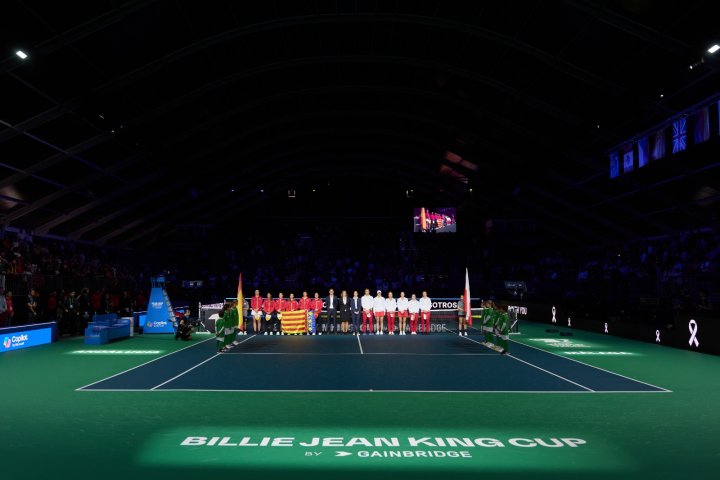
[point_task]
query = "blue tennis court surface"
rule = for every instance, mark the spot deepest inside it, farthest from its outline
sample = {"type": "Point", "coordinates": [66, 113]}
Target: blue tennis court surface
{"type": "Point", "coordinates": [436, 363]}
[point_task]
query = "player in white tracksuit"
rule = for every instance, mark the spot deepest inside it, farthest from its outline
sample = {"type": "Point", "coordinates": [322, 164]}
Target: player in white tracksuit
{"type": "Point", "coordinates": [414, 310]}
{"type": "Point", "coordinates": [379, 312]}
{"type": "Point", "coordinates": [367, 307]}
{"type": "Point", "coordinates": [402, 306]}
{"type": "Point", "coordinates": [425, 307]}
{"type": "Point", "coordinates": [391, 311]}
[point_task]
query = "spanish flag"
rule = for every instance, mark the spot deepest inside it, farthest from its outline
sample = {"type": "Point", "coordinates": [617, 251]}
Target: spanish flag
{"type": "Point", "coordinates": [240, 302]}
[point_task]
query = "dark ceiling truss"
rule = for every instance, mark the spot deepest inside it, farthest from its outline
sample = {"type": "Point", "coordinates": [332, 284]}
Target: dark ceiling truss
{"type": "Point", "coordinates": [276, 176]}
{"type": "Point", "coordinates": [559, 65]}
{"type": "Point", "coordinates": [81, 31]}
{"type": "Point", "coordinates": [226, 181]}
{"type": "Point", "coordinates": [64, 217]}
{"type": "Point", "coordinates": [46, 227]}
{"type": "Point", "coordinates": [144, 199]}
{"type": "Point", "coordinates": [251, 198]}
{"type": "Point", "coordinates": [632, 27]}
{"type": "Point", "coordinates": [84, 182]}
{"type": "Point", "coordinates": [443, 98]}
{"type": "Point", "coordinates": [105, 136]}
{"type": "Point", "coordinates": [32, 170]}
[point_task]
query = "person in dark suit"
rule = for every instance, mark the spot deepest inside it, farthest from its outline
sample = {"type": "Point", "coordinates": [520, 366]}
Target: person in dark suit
{"type": "Point", "coordinates": [345, 309]}
{"type": "Point", "coordinates": [355, 310]}
{"type": "Point", "coordinates": [332, 304]}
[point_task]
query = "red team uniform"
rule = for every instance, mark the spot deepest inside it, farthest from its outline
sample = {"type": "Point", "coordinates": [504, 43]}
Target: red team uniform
{"type": "Point", "coordinates": [281, 305]}
{"type": "Point", "coordinates": [316, 305]}
{"type": "Point", "coordinates": [256, 303]}
{"type": "Point", "coordinates": [305, 304]}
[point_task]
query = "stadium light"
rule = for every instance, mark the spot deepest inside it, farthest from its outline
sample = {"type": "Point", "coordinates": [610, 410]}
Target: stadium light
{"type": "Point", "coordinates": [714, 48]}
{"type": "Point", "coordinates": [21, 54]}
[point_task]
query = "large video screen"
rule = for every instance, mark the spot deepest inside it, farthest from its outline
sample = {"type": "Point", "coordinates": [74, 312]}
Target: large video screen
{"type": "Point", "coordinates": [435, 220]}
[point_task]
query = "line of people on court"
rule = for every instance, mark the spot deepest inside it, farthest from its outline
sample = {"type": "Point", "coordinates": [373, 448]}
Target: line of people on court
{"type": "Point", "coordinates": [266, 313]}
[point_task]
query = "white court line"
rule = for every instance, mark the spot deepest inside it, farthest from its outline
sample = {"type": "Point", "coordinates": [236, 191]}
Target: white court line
{"type": "Point", "coordinates": [539, 368]}
{"type": "Point", "coordinates": [193, 368]}
{"type": "Point", "coordinates": [186, 371]}
{"type": "Point", "coordinates": [362, 353]}
{"type": "Point", "coordinates": [551, 373]}
{"type": "Point", "coordinates": [370, 391]}
{"type": "Point", "coordinates": [593, 366]}
{"type": "Point", "coordinates": [142, 364]}
{"type": "Point", "coordinates": [360, 345]}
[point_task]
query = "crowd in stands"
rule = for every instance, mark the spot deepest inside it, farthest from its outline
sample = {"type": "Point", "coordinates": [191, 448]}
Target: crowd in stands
{"type": "Point", "coordinates": [658, 275]}
{"type": "Point", "coordinates": [48, 279]}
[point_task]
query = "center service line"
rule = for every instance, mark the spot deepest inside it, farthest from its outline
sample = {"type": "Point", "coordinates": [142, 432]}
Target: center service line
{"type": "Point", "coordinates": [193, 368]}
{"type": "Point", "coordinates": [360, 345]}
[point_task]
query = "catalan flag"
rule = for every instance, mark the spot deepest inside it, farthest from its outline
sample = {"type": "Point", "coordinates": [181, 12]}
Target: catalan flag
{"type": "Point", "coordinates": [294, 322]}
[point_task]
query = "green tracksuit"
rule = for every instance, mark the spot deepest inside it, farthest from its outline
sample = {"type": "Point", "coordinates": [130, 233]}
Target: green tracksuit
{"type": "Point", "coordinates": [487, 324]}
{"type": "Point", "coordinates": [502, 331]}
{"type": "Point", "coordinates": [231, 323]}
{"type": "Point", "coordinates": [220, 332]}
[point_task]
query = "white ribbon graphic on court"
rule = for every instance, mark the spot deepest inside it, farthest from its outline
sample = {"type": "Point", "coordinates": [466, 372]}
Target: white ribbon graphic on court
{"type": "Point", "coordinates": [606, 327]}
{"type": "Point", "coordinates": [693, 327]}
{"type": "Point", "coordinates": [569, 325]}
{"type": "Point", "coordinates": [657, 335]}
{"type": "Point", "coordinates": [554, 320]}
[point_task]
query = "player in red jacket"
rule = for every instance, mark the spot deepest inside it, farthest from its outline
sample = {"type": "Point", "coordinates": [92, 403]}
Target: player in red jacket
{"type": "Point", "coordinates": [317, 306]}
{"type": "Point", "coordinates": [256, 304]}
{"type": "Point", "coordinates": [281, 305]}
{"type": "Point", "coordinates": [292, 303]}
{"type": "Point", "coordinates": [269, 313]}
{"type": "Point", "coordinates": [305, 302]}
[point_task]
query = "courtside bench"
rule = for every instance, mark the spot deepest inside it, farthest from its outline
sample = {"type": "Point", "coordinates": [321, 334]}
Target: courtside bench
{"type": "Point", "coordinates": [105, 328]}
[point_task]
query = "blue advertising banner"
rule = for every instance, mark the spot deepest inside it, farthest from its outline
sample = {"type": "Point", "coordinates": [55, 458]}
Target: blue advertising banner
{"type": "Point", "coordinates": [25, 338]}
{"type": "Point", "coordinates": [157, 320]}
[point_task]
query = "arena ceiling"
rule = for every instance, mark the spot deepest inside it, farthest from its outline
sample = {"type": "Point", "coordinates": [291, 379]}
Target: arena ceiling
{"type": "Point", "coordinates": [129, 118]}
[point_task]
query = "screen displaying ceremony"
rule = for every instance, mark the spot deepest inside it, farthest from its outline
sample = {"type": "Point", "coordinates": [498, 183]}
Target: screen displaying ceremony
{"type": "Point", "coordinates": [434, 220]}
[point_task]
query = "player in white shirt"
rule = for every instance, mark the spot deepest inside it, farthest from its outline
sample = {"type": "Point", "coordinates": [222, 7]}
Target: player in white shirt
{"type": "Point", "coordinates": [367, 307]}
{"type": "Point", "coordinates": [379, 312]}
{"type": "Point", "coordinates": [402, 306]}
{"type": "Point", "coordinates": [391, 310]}
{"type": "Point", "coordinates": [414, 309]}
{"type": "Point", "coordinates": [425, 306]}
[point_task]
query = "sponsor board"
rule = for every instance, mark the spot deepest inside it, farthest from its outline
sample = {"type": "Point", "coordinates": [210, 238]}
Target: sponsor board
{"type": "Point", "coordinates": [24, 339]}
{"type": "Point", "coordinates": [560, 343]}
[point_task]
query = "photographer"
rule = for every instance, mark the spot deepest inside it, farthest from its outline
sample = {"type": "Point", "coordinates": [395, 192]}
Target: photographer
{"type": "Point", "coordinates": [184, 331]}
